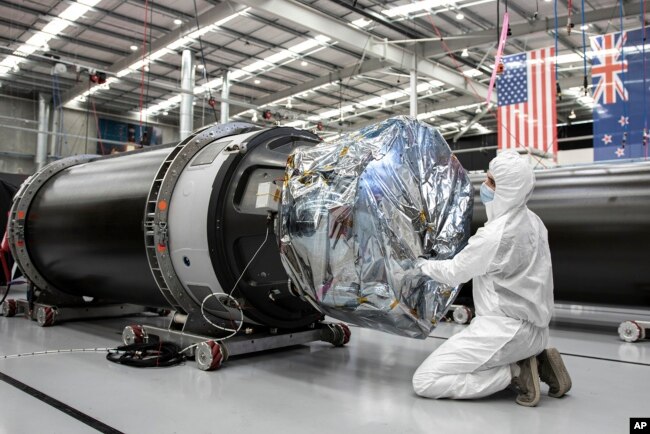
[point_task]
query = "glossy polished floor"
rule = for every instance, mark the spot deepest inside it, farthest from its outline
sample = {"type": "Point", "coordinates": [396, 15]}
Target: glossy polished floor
{"type": "Point", "coordinates": [362, 388]}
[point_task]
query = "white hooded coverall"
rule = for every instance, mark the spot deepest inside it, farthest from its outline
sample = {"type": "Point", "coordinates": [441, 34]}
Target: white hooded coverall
{"type": "Point", "coordinates": [510, 262]}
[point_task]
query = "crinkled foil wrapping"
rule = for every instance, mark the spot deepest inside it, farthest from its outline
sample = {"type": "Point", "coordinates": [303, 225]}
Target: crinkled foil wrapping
{"type": "Point", "coordinates": [357, 212]}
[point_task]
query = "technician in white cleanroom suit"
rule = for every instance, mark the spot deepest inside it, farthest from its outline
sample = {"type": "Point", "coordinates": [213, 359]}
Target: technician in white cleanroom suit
{"type": "Point", "coordinates": [510, 262]}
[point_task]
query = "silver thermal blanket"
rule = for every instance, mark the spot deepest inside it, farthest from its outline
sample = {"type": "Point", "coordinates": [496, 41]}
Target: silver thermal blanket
{"type": "Point", "coordinates": [358, 211]}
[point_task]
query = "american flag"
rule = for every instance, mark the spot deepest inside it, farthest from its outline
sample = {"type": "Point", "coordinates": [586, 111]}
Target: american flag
{"type": "Point", "coordinates": [526, 99]}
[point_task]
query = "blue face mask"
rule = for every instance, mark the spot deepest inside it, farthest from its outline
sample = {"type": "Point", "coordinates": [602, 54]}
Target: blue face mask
{"type": "Point", "coordinates": [487, 194]}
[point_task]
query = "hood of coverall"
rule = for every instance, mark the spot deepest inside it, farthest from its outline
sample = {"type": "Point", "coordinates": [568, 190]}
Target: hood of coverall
{"type": "Point", "coordinates": [515, 181]}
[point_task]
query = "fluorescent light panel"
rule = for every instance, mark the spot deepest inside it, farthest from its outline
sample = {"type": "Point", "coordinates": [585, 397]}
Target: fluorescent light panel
{"type": "Point", "coordinates": [416, 7]}
{"type": "Point", "coordinates": [360, 23]}
{"type": "Point", "coordinates": [268, 62]}
{"type": "Point", "coordinates": [39, 40]}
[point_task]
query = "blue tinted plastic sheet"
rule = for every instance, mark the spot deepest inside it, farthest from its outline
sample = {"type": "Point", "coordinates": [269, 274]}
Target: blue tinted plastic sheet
{"type": "Point", "coordinates": [357, 212]}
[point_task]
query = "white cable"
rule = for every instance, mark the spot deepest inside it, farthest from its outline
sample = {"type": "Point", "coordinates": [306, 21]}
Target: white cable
{"type": "Point", "coordinates": [233, 331]}
{"type": "Point", "coordinates": [67, 351]}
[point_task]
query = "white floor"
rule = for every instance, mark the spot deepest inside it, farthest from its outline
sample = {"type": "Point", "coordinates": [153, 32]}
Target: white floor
{"type": "Point", "coordinates": [362, 388]}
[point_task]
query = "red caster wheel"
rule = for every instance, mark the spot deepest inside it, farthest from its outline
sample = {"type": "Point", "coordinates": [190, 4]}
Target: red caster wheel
{"type": "Point", "coordinates": [45, 316]}
{"type": "Point", "coordinates": [9, 308]}
{"type": "Point", "coordinates": [209, 355]}
{"type": "Point", "coordinates": [338, 334]}
{"type": "Point", "coordinates": [631, 331]}
{"type": "Point", "coordinates": [134, 334]}
{"type": "Point", "coordinates": [346, 333]}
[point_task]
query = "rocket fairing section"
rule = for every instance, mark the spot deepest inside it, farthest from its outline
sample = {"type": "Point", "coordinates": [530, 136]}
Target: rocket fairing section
{"type": "Point", "coordinates": [164, 226]}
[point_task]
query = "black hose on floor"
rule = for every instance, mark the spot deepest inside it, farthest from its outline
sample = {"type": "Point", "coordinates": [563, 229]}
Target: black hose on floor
{"type": "Point", "coordinates": [147, 355]}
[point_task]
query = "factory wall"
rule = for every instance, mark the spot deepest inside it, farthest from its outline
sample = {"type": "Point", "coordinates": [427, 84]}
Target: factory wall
{"type": "Point", "coordinates": [572, 152]}
{"type": "Point", "coordinates": [575, 156]}
{"type": "Point", "coordinates": [18, 147]}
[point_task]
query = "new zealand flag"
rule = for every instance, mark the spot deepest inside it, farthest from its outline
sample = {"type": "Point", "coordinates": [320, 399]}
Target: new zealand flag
{"type": "Point", "coordinates": [621, 95]}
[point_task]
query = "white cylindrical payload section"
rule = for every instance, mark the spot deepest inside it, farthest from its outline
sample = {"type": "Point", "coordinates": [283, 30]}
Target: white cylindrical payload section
{"type": "Point", "coordinates": [188, 222]}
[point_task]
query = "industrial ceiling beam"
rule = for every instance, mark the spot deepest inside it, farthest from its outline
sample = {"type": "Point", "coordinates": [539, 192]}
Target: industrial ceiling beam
{"type": "Point", "coordinates": [475, 39]}
{"type": "Point", "coordinates": [365, 43]}
{"type": "Point", "coordinates": [45, 14]}
{"type": "Point", "coordinates": [470, 124]}
{"type": "Point", "coordinates": [378, 18]}
{"type": "Point", "coordinates": [332, 77]}
{"type": "Point", "coordinates": [208, 18]}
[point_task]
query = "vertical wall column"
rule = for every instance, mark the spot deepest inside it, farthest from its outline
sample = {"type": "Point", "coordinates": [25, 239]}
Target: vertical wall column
{"type": "Point", "coordinates": [225, 92]}
{"type": "Point", "coordinates": [187, 97]}
{"type": "Point", "coordinates": [414, 93]}
{"type": "Point", "coordinates": [43, 124]}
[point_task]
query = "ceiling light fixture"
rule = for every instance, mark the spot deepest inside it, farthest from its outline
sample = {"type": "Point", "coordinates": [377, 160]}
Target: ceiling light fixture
{"type": "Point", "coordinates": [360, 23]}
{"type": "Point", "coordinates": [319, 42]}
{"type": "Point", "coordinates": [254, 118]}
{"type": "Point", "coordinates": [304, 63]}
{"type": "Point", "coordinates": [134, 47]}
{"type": "Point", "coordinates": [50, 30]}
{"type": "Point", "coordinates": [178, 21]}
{"type": "Point", "coordinates": [465, 53]}
{"type": "Point", "coordinates": [460, 16]}
{"type": "Point", "coordinates": [472, 72]}
{"type": "Point", "coordinates": [416, 7]}
{"type": "Point", "coordinates": [572, 115]}
{"type": "Point", "coordinates": [191, 37]}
